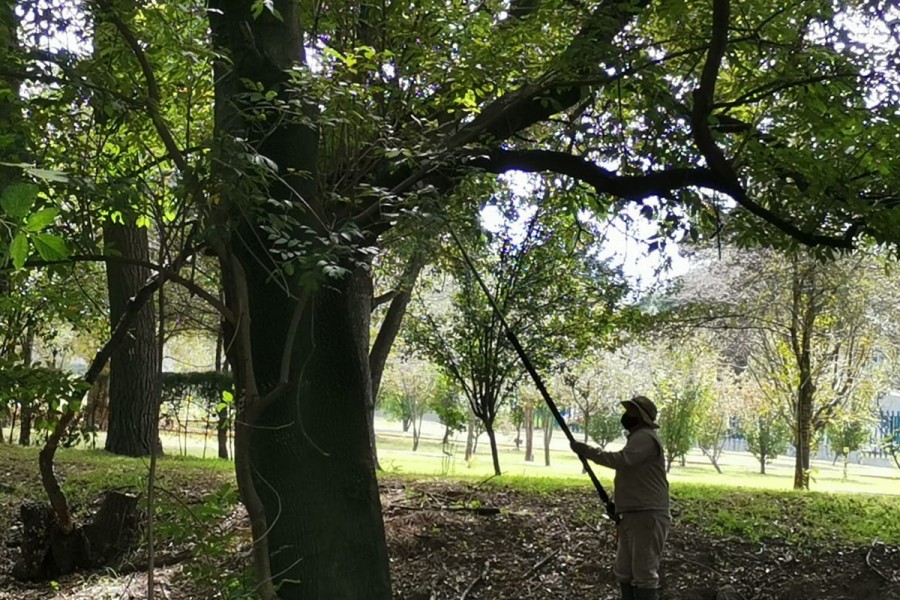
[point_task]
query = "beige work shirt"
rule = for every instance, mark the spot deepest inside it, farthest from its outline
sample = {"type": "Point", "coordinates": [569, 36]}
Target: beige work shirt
{"type": "Point", "coordinates": [640, 482]}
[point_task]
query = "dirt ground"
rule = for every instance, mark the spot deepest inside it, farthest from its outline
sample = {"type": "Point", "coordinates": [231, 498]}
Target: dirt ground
{"type": "Point", "coordinates": [463, 542]}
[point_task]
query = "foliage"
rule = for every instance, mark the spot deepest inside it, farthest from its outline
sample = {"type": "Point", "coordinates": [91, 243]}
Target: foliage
{"type": "Point", "coordinates": [605, 427]}
{"type": "Point", "coordinates": [44, 392]}
{"type": "Point", "coordinates": [214, 389]}
{"type": "Point", "coordinates": [811, 333]}
{"type": "Point", "coordinates": [683, 387]}
{"type": "Point", "coordinates": [202, 526]}
{"type": "Point", "coordinates": [446, 403]}
{"type": "Point", "coordinates": [552, 317]}
{"type": "Point", "coordinates": [849, 433]}
{"type": "Point", "coordinates": [334, 126]}
{"type": "Point", "coordinates": [767, 436]}
{"type": "Point", "coordinates": [408, 390]}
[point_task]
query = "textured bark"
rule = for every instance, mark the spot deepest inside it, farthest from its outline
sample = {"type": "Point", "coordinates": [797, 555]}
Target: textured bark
{"type": "Point", "coordinates": [48, 552]}
{"type": "Point", "coordinates": [805, 309]}
{"type": "Point", "coordinates": [311, 455]}
{"type": "Point", "coordinates": [222, 429]}
{"type": "Point", "coordinates": [134, 387]}
{"type": "Point", "coordinates": [301, 359]}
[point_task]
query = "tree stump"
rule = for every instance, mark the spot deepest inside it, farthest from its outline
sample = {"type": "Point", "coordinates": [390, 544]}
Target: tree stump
{"type": "Point", "coordinates": [113, 529]}
{"type": "Point", "coordinates": [46, 552]}
{"type": "Point", "coordinates": [37, 521]}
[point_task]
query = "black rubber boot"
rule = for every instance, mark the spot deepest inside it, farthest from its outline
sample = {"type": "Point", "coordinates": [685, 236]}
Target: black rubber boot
{"type": "Point", "coordinates": [645, 593]}
{"type": "Point", "coordinates": [627, 590]}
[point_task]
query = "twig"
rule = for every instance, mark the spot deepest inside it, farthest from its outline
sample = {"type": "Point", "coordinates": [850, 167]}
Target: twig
{"type": "Point", "coordinates": [482, 576]}
{"type": "Point", "coordinates": [478, 510]}
{"type": "Point", "coordinates": [873, 567]}
{"type": "Point", "coordinates": [541, 563]}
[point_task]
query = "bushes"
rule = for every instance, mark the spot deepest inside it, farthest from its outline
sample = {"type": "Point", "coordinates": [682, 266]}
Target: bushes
{"type": "Point", "coordinates": [212, 392]}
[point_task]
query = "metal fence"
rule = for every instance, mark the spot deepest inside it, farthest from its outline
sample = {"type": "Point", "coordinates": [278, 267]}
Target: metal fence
{"type": "Point", "coordinates": [874, 453]}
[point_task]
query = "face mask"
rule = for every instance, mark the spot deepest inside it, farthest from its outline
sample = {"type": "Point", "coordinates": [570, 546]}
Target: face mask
{"type": "Point", "coordinates": [628, 422]}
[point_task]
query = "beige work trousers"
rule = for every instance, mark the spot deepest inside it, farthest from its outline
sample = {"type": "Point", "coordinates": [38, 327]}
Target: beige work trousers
{"type": "Point", "coordinates": [642, 536]}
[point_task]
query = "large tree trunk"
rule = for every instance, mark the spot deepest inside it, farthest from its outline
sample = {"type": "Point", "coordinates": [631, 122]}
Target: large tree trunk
{"type": "Point", "coordinates": [303, 453]}
{"type": "Point", "coordinates": [311, 453]}
{"type": "Point", "coordinates": [134, 387]}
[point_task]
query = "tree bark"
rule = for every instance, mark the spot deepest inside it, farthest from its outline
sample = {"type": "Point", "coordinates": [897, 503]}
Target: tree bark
{"type": "Point", "coordinates": [27, 408]}
{"type": "Point", "coordinates": [495, 456]}
{"type": "Point", "coordinates": [134, 387]}
{"type": "Point", "coordinates": [387, 334]}
{"type": "Point", "coordinates": [529, 433]}
{"type": "Point", "coordinates": [804, 313]}
{"type": "Point", "coordinates": [310, 453]}
{"type": "Point", "coordinates": [547, 428]}
{"type": "Point", "coordinates": [303, 453]}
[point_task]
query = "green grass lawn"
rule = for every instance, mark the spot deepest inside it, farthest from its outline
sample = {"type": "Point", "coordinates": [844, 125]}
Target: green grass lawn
{"type": "Point", "coordinates": [740, 470]}
{"type": "Point", "coordinates": [738, 503]}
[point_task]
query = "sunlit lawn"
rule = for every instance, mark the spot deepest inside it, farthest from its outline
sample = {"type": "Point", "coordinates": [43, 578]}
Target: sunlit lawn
{"type": "Point", "coordinates": [739, 469]}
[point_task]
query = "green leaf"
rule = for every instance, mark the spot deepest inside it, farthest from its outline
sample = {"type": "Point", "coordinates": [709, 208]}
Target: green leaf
{"type": "Point", "coordinates": [18, 199]}
{"type": "Point", "coordinates": [50, 247]}
{"type": "Point", "coordinates": [18, 250]}
{"type": "Point", "coordinates": [41, 219]}
{"type": "Point", "coordinates": [48, 175]}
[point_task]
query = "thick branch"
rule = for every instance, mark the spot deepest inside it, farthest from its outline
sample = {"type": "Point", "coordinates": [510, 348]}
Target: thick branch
{"type": "Point", "coordinates": [704, 101]}
{"type": "Point", "coordinates": [603, 180]}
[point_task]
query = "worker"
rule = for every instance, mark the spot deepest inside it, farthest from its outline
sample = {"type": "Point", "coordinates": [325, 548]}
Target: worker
{"type": "Point", "coordinates": [641, 499]}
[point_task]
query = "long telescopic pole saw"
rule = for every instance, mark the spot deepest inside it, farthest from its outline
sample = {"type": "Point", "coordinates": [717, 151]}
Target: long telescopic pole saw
{"type": "Point", "coordinates": [511, 336]}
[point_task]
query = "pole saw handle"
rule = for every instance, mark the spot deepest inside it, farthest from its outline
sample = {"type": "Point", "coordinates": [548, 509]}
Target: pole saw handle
{"type": "Point", "coordinates": [607, 501]}
{"type": "Point", "coordinates": [536, 378]}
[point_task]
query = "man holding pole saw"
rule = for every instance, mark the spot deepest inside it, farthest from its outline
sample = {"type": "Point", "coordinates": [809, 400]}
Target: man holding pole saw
{"type": "Point", "coordinates": [641, 499]}
{"type": "Point", "coordinates": [641, 509]}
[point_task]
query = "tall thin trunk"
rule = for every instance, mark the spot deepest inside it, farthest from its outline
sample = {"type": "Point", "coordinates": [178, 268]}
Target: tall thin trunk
{"type": "Point", "coordinates": [223, 427]}
{"type": "Point", "coordinates": [470, 437]}
{"type": "Point", "coordinates": [27, 408]}
{"type": "Point", "coordinates": [387, 334]}
{"type": "Point", "coordinates": [529, 434]}
{"type": "Point", "coordinates": [547, 428]}
{"type": "Point", "coordinates": [802, 325]}
{"type": "Point", "coordinates": [134, 385]}
{"type": "Point", "coordinates": [495, 456]}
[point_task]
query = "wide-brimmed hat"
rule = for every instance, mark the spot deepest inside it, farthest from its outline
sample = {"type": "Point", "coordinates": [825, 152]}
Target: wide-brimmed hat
{"type": "Point", "coordinates": [645, 408]}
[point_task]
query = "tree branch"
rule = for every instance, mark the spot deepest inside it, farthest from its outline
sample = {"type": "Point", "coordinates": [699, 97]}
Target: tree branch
{"type": "Point", "coordinates": [167, 272]}
{"type": "Point", "coordinates": [603, 180]}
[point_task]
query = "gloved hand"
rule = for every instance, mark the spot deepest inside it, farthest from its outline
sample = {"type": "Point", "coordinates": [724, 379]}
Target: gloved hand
{"type": "Point", "coordinates": [581, 449]}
